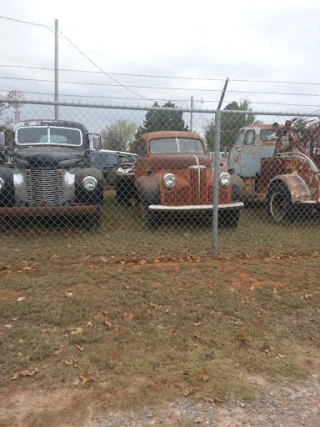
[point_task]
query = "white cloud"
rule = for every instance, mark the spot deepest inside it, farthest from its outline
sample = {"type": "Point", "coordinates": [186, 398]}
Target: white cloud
{"type": "Point", "coordinates": [240, 40]}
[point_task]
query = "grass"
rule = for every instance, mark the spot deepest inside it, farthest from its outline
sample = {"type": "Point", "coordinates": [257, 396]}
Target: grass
{"type": "Point", "coordinates": [144, 332]}
{"type": "Point", "coordinates": [146, 315]}
{"type": "Point", "coordinates": [124, 235]}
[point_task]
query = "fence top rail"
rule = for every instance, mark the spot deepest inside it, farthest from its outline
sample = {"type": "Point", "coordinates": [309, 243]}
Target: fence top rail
{"type": "Point", "coordinates": [146, 108]}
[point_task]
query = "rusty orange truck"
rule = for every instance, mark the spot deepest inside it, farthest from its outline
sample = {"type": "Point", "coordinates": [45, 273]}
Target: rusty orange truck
{"type": "Point", "coordinates": [173, 176]}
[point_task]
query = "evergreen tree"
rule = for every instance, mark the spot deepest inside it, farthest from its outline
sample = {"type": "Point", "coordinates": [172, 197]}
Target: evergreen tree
{"type": "Point", "coordinates": [157, 120]}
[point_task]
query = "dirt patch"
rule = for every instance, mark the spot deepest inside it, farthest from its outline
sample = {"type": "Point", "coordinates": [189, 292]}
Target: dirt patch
{"type": "Point", "coordinates": [8, 295]}
{"type": "Point", "coordinates": [246, 282]}
{"type": "Point", "coordinates": [22, 407]}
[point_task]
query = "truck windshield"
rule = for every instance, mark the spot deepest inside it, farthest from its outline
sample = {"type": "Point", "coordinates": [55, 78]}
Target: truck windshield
{"type": "Point", "coordinates": [43, 135]}
{"type": "Point", "coordinates": [176, 145]}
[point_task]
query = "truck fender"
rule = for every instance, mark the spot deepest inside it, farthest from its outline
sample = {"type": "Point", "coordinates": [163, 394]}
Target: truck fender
{"type": "Point", "coordinates": [237, 187]}
{"type": "Point", "coordinates": [297, 187]}
{"type": "Point", "coordinates": [237, 184]}
{"type": "Point", "coordinates": [83, 196]}
{"type": "Point", "coordinates": [7, 196]}
{"type": "Point", "coordinates": [148, 188]}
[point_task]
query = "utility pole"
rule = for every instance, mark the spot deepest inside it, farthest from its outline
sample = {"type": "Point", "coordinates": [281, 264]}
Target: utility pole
{"type": "Point", "coordinates": [56, 68]}
{"type": "Point", "coordinates": [191, 114]}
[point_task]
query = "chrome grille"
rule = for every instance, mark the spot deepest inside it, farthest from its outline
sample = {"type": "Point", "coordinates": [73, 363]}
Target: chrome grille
{"type": "Point", "coordinates": [44, 187]}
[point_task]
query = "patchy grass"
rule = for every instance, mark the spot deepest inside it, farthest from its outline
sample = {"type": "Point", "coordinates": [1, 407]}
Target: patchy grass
{"type": "Point", "coordinates": [128, 315]}
{"type": "Point", "coordinates": [123, 234]}
{"type": "Point", "coordinates": [129, 333]}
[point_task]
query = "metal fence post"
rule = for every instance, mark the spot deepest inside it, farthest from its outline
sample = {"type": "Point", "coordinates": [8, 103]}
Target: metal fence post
{"type": "Point", "coordinates": [216, 176]}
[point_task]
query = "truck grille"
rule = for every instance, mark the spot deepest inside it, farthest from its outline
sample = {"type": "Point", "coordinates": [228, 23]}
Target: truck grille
{"type": "Point", "coordinates": [178, 197]}
{"type": "Point", "coordinates": [44, 187]}
{"type": "Point", "coordinates": [198, 186]}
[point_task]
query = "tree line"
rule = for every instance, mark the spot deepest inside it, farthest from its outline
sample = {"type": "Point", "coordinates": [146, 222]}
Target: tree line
{"type": "Point", "coordinates": [124, 136]}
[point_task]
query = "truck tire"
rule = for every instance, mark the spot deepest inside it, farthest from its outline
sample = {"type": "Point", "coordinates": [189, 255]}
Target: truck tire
{"type": "Point", "coordinates": [229, 219]}
{"type": "Point", "coordinates": [152, 219]}
{"type": "Point", "coordinates": [279, 204]}
{"type": "Point", "coordinates": [91, 222]}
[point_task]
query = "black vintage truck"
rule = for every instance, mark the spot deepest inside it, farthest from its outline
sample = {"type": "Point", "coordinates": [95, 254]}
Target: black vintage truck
{"type": "Point", "coordinates": [45, 171]}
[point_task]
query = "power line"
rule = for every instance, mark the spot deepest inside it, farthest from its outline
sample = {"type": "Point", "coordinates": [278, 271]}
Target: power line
{"type": "Point", "coordinates": [162, 77]}
{"type": "Point", "coordinates": [162, 87]}
{"type": "Point", "coordinates": [262, 102]}
{"type": "Point", "coordinates": [99, 68]}
{"type": "Point", "coordinates": [163, 99]}
{"type": "Point", "coordinates": [24, 22]}
{"type": "Point", "coordinates": [79, 50]}
{"type": "Point", "coordinates": [114, 73]}
{"type": "Point", "coordinates": [101, 96]}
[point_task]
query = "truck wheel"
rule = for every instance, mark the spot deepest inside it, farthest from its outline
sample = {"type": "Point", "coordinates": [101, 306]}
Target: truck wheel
{"type": "Point", "coordinates": [229, 219]}
{"type": "Point", "coordinates": [280, 205]}
{"type": "Point", "coordinates": [91, 222]}
{"type": "Point", "coordinates": [151, 218]}
{"type": "Point", "coordinates": [112, 179]}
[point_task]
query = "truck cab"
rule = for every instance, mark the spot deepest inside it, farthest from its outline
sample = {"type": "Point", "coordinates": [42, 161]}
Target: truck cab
{"type": "Point", "coordinates": [49, 172]}
{"type": "Point", "coordinates": [251, 145]}
{"type": "Point", "coordinates": [174, 176]}
{"type": "Point", "coordinates": [277, 168]}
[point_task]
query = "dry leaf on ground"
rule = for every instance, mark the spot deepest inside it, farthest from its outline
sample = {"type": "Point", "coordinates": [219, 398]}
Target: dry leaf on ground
{"type": "Point", "coordinates": [77, 331]}
{"type": "Point", "coordinates": [71, 361]}
{"type": "Point", "coordinates": [214, 399]}
{"type": "Point", "coordinates": [188, 391]}
{"type": "Point", "coordinates": [21, 299]}
{"type": "Point", "coordinates": [85, 379]}
{"type": "Point", "coordinates": [26, 373]}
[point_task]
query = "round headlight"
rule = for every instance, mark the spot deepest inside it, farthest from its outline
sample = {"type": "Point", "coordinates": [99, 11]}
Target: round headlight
{"type": "Point", "coordinates": [90, 183]}
{"type": "Point", "coordinates": [1, 184]}
{"type": "Point", "coordinates": [169, 180]}
{"type": "Point", "coordinates": [225, 179]}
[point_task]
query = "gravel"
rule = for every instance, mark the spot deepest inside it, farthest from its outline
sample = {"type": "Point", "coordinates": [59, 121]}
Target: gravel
{"type": "Point", "coordinates": [291, 405]}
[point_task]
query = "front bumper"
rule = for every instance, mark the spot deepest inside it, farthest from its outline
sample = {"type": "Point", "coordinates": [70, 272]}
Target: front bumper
{"type": "Point", "coordinates": [190, 208]}
{"type": "Point", "coordinates": [50, 211]}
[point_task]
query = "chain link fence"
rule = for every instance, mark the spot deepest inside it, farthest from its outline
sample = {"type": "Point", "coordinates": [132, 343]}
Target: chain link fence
{"type": "Point", "coordinates": [237, 183]}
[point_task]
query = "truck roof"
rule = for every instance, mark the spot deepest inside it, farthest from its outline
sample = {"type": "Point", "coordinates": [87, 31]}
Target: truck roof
{"type": "Point", "coordinates": [258, 126]}
{"type": "Point", "coordinates": [48, 122]}
{"type": "Point", "coordinates": [171, 134]}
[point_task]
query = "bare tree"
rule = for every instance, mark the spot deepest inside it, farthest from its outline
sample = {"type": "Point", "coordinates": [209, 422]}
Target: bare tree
{"type": "Point", "coordinates": [5, 119]}
{"type": "Point", "coordinates": [118, 136]}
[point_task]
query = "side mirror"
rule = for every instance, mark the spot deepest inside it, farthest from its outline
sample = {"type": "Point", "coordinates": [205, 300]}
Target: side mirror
{"type": "Point", "coordinates": [2, 141]}
{"type": "Point", "coordinates": [95, 141]}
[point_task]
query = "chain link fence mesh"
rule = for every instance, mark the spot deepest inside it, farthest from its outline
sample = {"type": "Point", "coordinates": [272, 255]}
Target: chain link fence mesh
{"type": "Point", "coordinates": [148, 193]}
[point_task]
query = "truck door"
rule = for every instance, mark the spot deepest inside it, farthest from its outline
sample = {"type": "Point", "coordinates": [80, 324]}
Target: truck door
{"type": "Point", "coordinates": [141, 162]}
{"type": "Point", "coordinates": [257, 144]}
{"type": "Point", "coordinates": [249, 159]}
{"type": "Point", "coordinates": [235, 152]}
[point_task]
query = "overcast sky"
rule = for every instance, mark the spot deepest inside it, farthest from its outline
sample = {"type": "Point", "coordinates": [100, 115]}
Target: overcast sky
{"type": "Point", "coordinates": [248, 40]}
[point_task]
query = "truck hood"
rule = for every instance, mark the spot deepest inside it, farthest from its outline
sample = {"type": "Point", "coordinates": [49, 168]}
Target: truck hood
{"type": "Point", "coordinates": [49, 157]}
{"type": "Point", "coordinates": [177, 161]}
